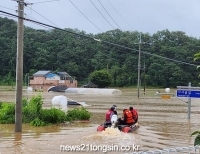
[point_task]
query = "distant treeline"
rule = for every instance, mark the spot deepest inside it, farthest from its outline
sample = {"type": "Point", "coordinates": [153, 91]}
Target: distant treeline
{"type": "Point", "coordinates": [58, 50]}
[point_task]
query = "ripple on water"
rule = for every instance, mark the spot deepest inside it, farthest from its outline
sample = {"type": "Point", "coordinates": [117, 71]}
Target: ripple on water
{"type": "Point", "coordinates": [111, 136]}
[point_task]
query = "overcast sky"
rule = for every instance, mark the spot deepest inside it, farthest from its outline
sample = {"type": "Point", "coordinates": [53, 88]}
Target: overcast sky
{"type": "Point", "coordinates": [147, 16]}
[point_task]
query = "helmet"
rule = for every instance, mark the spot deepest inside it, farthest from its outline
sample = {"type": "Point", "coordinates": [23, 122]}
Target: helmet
{"type": "Point", "coordinates": [115, 107]}
{"type": "Point", "coordinates": [112, 108]}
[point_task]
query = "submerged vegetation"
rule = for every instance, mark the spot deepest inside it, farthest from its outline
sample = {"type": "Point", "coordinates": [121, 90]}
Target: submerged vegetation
{"type": "Point", "coordinates": [78, 114]}
{"type": "Point", "coordinates": [33, 113]}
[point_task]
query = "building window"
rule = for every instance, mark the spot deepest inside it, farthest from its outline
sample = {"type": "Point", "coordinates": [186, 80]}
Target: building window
{"type": "Point", "coordinates": [71, 81]}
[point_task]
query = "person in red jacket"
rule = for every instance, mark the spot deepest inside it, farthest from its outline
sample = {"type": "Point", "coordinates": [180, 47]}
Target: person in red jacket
{"type": "Point", "coordinates": [109, 114]}
{"type": "Point", "coordinates": [134, 113]}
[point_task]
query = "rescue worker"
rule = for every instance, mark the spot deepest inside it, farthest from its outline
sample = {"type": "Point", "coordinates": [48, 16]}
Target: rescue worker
{"type": "Point", "coordinates": [115, 110]}
{"type": "Point", "coordinates": [128, 117]}
{"type": "Point", "coordinates": [109, 114]}
{"type": "Point", "coordinates": [134, 113]}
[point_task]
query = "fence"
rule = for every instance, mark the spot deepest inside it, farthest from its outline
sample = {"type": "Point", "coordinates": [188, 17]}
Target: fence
{"type": "Point", "coordinates": [189, 150]}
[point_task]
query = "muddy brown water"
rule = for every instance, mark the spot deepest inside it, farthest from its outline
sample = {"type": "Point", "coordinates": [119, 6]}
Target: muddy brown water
{"type": "Point", "coordinates": [163, 124]}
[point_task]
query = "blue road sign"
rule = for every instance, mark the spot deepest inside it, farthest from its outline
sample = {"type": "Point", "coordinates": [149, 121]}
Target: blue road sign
{"type": "Point", "coordinates": [188, 93]}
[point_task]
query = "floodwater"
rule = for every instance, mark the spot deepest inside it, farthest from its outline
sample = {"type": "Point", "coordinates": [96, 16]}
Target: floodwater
{"type": "Point", "coordinates": [163, 125]}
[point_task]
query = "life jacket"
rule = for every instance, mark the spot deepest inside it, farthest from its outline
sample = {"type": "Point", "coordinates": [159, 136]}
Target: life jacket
{"type": "Point", "coordinates": [128, 117]}
{"type": "Point", "coordinates": [108, 114]}
{"type": "Point", "coordinates": [135, 114]}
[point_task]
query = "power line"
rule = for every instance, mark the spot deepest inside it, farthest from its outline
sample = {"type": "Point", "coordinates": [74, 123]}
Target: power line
{"type": "Point", "coordinates": [43, 2]}
{"type": "Point", "coordinates": [38, 24]}
{"type": "Point", "coordinates": [7, 15]}
{"type": "Point", "coordinates": [119, 14]}
{"type": "Point", "coordinates": [7, 8]}
{"type": "Point", "coordinates": [106, 42]}
{"type": "Point", "coordinates": [85, 16]}
{"type": "Point", "coordinates": [102, 14]}
{"type": "Point", "coordinates": [42, 16]}
{"type": "Point", "coordinates": [155, 55]}
{"type": "Point", "coordinates": [49, 21]}
{"type": "Point", "coordinates": [109, 15]}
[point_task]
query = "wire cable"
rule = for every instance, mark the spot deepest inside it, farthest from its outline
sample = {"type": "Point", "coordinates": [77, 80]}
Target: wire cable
{"type": "Point", "coordinates": [47, 27]}
{"type": "Point", "coordinates": [8, 8]}
{"type": "Point", "coordinates": [109, 15]}
{"type": "Point", "coordinates": [42, 16]}
{"type": "Point", "coordinates": [7, 15]}
{"type": "Point", "coordinates": [119, 14]}
{"type": "Point", "coordinates": [147, 53]}
{"type": "Point", "coordinates": [102, 14]}
{"type": "Point", "coordinates": [106, 42]}
{"type": "Point", "coordinates": [85, 16]}
{"type": "Point", "coordinates": [43, 2]}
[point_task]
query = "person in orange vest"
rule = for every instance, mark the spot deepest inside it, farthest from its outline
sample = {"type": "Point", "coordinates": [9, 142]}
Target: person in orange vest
{"type": "Point", "coordinates": [134, 113]}
{"type": "Point", "coordinates": [128, 117]}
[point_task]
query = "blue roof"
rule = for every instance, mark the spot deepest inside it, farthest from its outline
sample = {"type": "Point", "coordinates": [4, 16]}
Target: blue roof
{"type": "Point", "coordinates": [50, 75]}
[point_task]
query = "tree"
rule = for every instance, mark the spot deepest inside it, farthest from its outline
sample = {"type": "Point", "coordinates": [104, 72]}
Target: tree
{"type": "Point", "coordinates": [101, 78]}
{"type": "Point", "coordinates": [196, 58]}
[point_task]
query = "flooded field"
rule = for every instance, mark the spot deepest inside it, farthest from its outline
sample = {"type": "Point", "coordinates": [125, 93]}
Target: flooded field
{"type": "Point", "coordinates": [163, 124]}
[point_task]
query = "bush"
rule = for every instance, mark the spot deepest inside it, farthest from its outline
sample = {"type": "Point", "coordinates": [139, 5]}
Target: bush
{"type": "Point", "coordinates": [33, 113]}
{"type": "Point", "coordinates": [7, 113]}
{"type": "Point", "coordinates": [31, 109]}
{"type": "Point", "coordinates": [52, 115]}
{"type": "Point", "coordinates": [38, 122]}
{"type": "Point", "coordinates": [78, 114]}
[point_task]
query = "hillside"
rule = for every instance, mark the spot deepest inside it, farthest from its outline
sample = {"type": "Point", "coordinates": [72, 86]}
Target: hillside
{"type": "Point", "coordinates": [79, 56]}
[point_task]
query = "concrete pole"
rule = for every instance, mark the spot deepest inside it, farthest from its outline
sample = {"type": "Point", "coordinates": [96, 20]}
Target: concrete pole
{"type": "Point", "coordinates": [19, 68]}
{"type": "Point", "coordinates": [189, 100]}
{"type": "Point", "coordinates": [138, 84]}
{"type": "Point", "coordinates": [144, 77]}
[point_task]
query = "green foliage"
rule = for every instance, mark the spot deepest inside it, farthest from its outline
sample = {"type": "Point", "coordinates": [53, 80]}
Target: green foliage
{"type": "Point", "coordinates": [101, 78]}
{"type": "Point", "coordinates": [7, 113]}
{"type": "Point", "coordinates": [80, 56]}
{"type": "Point", "coordinates": [33, 113]}
{"type": "Point", "coordinates": [78, 114]}
{"type": "Point", "coordinates": [37, 122]}
{"type": "Point", "coordinates": [197, 58]}
{"type": "Point", "coordinates": [31, 109]}
{"type": "Point", "coordinates": [52, 115]}
{"type": "Point", "coordinates": [197, 138]}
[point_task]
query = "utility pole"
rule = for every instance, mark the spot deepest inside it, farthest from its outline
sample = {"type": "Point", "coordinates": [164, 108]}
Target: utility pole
{"type": "Point", "coordinates": [19, 67]}
{"type": "Point", "coordinates": [139, 67]}
{"type": "Point", "coordinates": [139, 56]}
{"type": "Point", "coordinates": [144, 76]}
